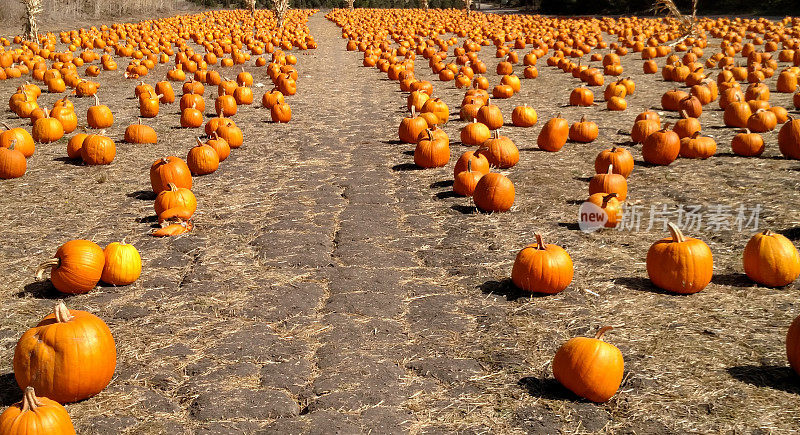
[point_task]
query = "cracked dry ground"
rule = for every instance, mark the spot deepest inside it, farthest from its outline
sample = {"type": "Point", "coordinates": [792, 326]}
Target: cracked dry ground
{"type": "Point", "coordinates": [328, 288]}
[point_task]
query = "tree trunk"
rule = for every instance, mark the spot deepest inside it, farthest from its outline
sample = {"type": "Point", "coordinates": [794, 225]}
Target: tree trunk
{"type": "Point", "coordinates": [424, 4]}
{"type": "Point", "coordinates": [467, 6]}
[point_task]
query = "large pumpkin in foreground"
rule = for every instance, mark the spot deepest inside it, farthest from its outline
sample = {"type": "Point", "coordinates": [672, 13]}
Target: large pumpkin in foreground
{"type": "Point", "coordinates": [35, 415]}
{"type": "Point", "coordinates": [680, 264]}
{"type": "Point", "coordinates": [589, 367]}
{"type": "Point", "coordinates": [69, 356]}
{"type": "Point", "coordinates": [76, 268]}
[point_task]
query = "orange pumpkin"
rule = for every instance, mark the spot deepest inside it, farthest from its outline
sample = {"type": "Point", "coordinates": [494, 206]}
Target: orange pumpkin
{"type": "Point", "coordinates": [554, 134]}
{"type": "Point", "coordinates": [680, 264]}
{"type": "Point", "coordinates": [76, 267]}
{"type": "Point", "coordinates": [542, 268]}
{"type": "Point", "coordinates": [69, 356]}
{"type": "Point", "coordinates": [771, 259]}
{"type": "Point", "coordinates": [494, 192]}
{"type": "Point", "coordinates": [33, 415]}
{"type": "Point", "coordinates": [169, 170]}
{"type": "Point", "coordinates": [589, 367]}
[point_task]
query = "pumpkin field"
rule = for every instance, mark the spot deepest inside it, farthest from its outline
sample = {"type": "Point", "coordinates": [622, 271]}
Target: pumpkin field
{"type": "Point", "coordinates": [401, 221]}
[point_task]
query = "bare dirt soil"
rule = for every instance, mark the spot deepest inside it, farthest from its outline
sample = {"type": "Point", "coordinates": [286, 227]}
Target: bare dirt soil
{"type": "Point", "coordinates": [331, 287]}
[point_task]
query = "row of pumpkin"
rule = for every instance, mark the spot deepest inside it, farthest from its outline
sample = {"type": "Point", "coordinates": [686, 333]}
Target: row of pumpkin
{"type": "Point", "coordinates": [589, 367]}
{"type": "Point", "coordinates": [49, 372]}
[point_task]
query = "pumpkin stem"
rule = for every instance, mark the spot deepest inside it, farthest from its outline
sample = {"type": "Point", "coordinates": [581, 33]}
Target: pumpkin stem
{"type": "Point", "coordinates": [469, 165]}
{"type": "Point", "coordinates": [62, 313]}
{"type": "Point", "coordinates": [413, 111]}
{"type": "Point", "coordinates": [29, 400]}
{"type": "Point", "coordinates": [666, 126]}
{"type": "Point", "coordinates": [539, 242]}
{"type": "Point", "coordinates": [5, 125]}
{"type": "Point", "coordinates": [677, 235]}
{"type": "Point", "coordinates": [96, 100]}
{"type": "Point", "coordinates": [49, 264]}
{"type": "Point", "coordinates": [199, 142]}
{"type": "Point", "coordinates": [172, 187]}
{"type": "Point", "coordinates": [608, 198]}
{"type": "Point", "coordinates": [768, 233]}
{"type": "Point", "coordinates": [610, 169]}
{"type": "Point", "coordinates": [603, 330]}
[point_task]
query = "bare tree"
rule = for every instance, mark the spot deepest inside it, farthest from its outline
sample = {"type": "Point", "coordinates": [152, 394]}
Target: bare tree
{"type": "Point", "coordinates": [31, 28]}
{"type": "Point", "coordinates": [280, 7]}
{"type": "Point", "coordinates": [687, 24]}
{"type": "Point", "coordinates": [424, 4]}
{"type": "Point", "coordinates": [350, 4]}
{"type": "Point", "coordinates": [467, 6]}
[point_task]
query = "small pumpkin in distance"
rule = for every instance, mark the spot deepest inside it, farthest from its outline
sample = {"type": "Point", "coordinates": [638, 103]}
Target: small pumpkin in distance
{"type": "Point", "coordinates": [661, 147]}
{"type": "Point", "coordinates": [69, 356]}
{"type": "Point", "coordinates": [474, 160]}
{"type": "Point", "coordinates": [432, 151]}
{"type": "Point", "coordinates": [202, 159]}
{"type": "Point", "coordinates": [524, 116]}
{"type": "Point", "coordinates": [47, 130]}
{"type": "Point", "coordinates": [491, 116]}
{"type": "Point", "coordinates": [542, 268]}
{"type": "Point", "coordinates": [123, 264]}
{"type": "Point", "coordinates": [590, 367]}
{"type": "Point", "coordinates": [99, 116]}
{"type": "Point", "coordinates": [465, 181]}
{"type": "Point", "coordinates": [583, 131]}
{"type": "Point", "coordinates": [23, 141]}
{"type": "Point", "coordinates": [620, 159]}
{"type": "Point", "coordinates": [747, 144]}
{"type": "Point", "coordinates": [494, 193]}
{"type": "Point", "coordinates": [698, 147]}
{"type": "Point", "coordinates": [609, 182]}
{"type": "Point", "coordinates": [475, 133]}
{"type": "Point", "coordinates": [411, 126]}
{"type": "Point", "coordinates": [12, 162]}
{"type": "Point", "coordinates": [97, 149]}
{"type": "Point", "coordinates": [789, 138]}
{"type": "Point", "coordinates": [167, 170]}
{"type": "Point", "coordinates": [34, 415]}
{"type": "Point", "coordinates": [140, 134]}
{"type": "Point", "coordinates": [609, 203]}
{"type": "Point", "coordinates": [554, 134]}
{"type": "Point", "coordinates": [500, 151]}
{"type": "Point", "coordinates": [680, 264]}
{"type": "Point", "coordinates": [281, 113]}
{"type": "Point", "coordinates": [771, 259]}
{"type": "Point", "coordinates": [220, 145]}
